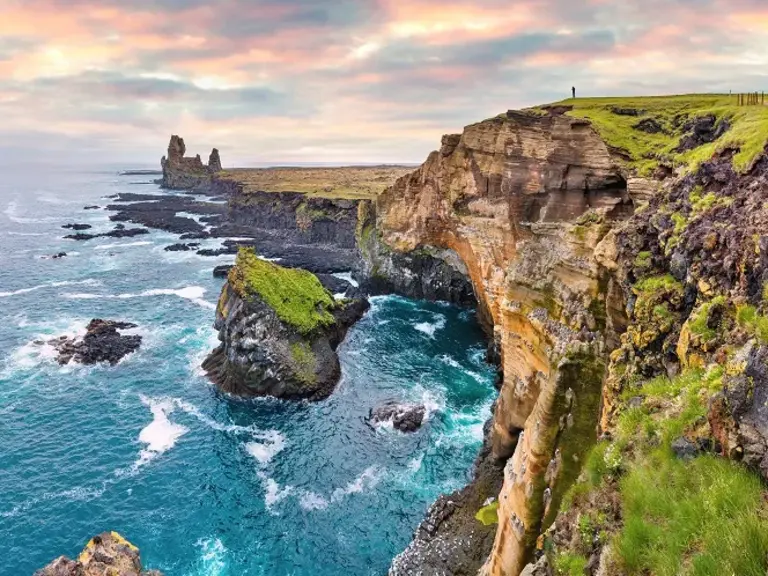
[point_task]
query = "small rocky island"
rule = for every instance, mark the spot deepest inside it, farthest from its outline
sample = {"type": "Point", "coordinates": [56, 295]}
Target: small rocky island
{"type": "Point", "coordinates": [102, 342]}
{"type": "Point", "coordinates": [105, 555]}
{"type": "Point", "coordinates": [279, 330]}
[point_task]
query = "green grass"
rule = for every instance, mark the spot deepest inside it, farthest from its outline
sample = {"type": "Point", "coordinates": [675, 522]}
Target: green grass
{"type": "Point", "coordinates": [699, 319]}
{"type": "Point", "coordinates": [570, 565]}
{"type": "Point", "coordinates": [297, 296]}
{"type": "Point", "coordinates": [751, 320]}
{"type": "Point", "coordinates": [748, 132]}
{"type": "Point", "coordinates": [489, 515]}
{"type": "Point", "coordinates": [703, 517]}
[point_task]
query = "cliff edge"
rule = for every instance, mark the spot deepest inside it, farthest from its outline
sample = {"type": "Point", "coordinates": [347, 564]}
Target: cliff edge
{"type": "Point", "coordinates": [616, 251]}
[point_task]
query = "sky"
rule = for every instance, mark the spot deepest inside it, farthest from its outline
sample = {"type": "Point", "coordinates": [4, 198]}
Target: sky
{"type": "Point", "coordinates": [287, 81]}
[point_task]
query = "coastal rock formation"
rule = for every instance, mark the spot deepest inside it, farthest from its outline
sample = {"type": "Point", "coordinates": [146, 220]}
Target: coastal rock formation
{"type": "Point", "coordinates": [279, 330]}
{"type": "Point", "coordinates": [404, 417]}
{"type": "Point", "coordinates": [108, 554]}
{"type": "Point", "coordinates": [182, 172]}
{"type": "Point", "coordinates": [518, 205]}
{"type": "Point", "coordinates": [102, 343]}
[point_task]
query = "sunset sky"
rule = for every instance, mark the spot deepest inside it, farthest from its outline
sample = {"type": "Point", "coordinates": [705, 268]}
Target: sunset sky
{"type": "Point", "coordinates": [340, 81]}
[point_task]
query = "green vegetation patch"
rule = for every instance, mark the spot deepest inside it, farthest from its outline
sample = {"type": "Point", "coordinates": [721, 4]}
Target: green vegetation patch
{"type": "Point", "coordinates": [699, 322]}
{"type": "Point", "coordinates": [305, 362]}
{"type": "Point", "coordinates": [704, 517]}
{"type": "Point", "coordinates": [489, 514]}
{"type": "Point", "coordinates": [297, 296]}
{"type": "Point", "coordinates": [751, 320]}
{"type": "Point", "coordinates": [645, 151]}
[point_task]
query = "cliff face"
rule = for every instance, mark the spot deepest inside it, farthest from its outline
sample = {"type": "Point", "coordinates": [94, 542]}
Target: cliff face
{"type": "Point", "coordinates": [279, 330]}
{"type": "Point", "coordinates": [649, 325]}
{"type": "Point", "coordinates": [183, 173]}
{"type": "Point", "coordinates": [522, 201]}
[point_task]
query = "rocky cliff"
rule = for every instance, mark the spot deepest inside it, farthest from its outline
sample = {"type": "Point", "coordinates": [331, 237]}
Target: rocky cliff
{"type": "Point", "coordinates": [182, 172]}
{"type": "Point", "coordinates": [107, 554]}
{"type": "Point", "coordinates": [587, 298]}
{"type": "Point", "coordinates": [279, 330]}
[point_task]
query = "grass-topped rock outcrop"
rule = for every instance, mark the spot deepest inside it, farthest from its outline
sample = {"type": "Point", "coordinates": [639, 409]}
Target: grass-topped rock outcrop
{"type": "Point", "coordinates": [279, 330]}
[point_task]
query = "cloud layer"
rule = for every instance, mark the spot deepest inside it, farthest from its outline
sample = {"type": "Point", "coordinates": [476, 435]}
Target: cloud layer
{"type": "Point", "coordinates": [341, 80]}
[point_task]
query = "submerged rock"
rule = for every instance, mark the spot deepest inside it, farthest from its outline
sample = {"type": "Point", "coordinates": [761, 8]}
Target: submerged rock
{"type": "Point", "coordinates": [404, 417]}
{"type": "Point", "coordinates": [101, 343]}
{"type": "Point", "coordinates": [77, 226]}
{"type": "Point", "coordinates": [181, 247]}
{"type": "Point", "coordinates": [279, 330]}
{"type": "Point", "coordinates": [108, 554]}
{"type": "Point", "coordinates": [92, 207]}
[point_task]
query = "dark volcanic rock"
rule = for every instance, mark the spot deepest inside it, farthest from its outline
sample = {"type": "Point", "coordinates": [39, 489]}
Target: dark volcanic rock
{"type": "Point", "coordinates": [125, 232]}
{"type": "Point", "coordinates": [222, 271]}
{"type": "Point", "coordinates": [77, 226]}
{"type": "Point", "coordinates": [181, 247]}
{"type": "Point", "coordinates": [649, 125]}
{"type": "Point", "coordinates": [105, 555]}
{"type": "Point", "coordinates": [702, 130]}
{"type": "Point", "coordinates": [101, 343]}
{"type": "Point", "coordinates": [404, 417]}
{"type": "Point", "coordinates": [92, 207]}
{"type": "Point", "coordinates": [54, 256]}
{"type": "Point", "coordinates": [450, 540]}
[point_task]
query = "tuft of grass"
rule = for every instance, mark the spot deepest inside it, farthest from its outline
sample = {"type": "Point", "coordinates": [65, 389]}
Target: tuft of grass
{"type": "Point", "coordinates": [751, 320]}
{"type": "Point", "coordinates": [700, 318]}
{"type": "Point", "coordinates": [488, 515]}
{"type": "Point", "coordinates": [705, 517]}
{"type": "Point", "coordinates": [748, 132]}
{"type": "Point", "coordinates": [570, 565]}
{"type": "Point", "coordinates": [297, 296]}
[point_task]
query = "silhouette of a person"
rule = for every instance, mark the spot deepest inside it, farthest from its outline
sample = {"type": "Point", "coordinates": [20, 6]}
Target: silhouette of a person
{"type": "Point", "coordinates": [573, 91]}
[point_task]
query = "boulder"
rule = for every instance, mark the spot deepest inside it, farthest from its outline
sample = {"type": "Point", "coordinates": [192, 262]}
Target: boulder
{"type": "Point", "coordinates": [404, 417]}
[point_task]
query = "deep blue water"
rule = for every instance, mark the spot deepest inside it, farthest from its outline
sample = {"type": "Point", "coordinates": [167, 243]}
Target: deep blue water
{"type": "Point", "coordinates": [203, 483]}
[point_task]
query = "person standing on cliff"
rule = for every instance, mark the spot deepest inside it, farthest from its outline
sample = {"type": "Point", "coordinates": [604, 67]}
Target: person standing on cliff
{"type": "Point", "coordinates": [573, 91]}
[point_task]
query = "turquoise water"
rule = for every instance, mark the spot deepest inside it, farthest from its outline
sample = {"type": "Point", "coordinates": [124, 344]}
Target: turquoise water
{"type": "Point", "coordinates": [203, 483]}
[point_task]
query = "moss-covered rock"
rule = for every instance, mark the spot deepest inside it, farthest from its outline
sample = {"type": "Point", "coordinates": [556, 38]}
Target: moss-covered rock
{"type": "Point", "coordinates": [279, 330]}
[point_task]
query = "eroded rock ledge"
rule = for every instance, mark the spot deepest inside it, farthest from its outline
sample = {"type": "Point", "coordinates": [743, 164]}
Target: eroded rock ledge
{"type": "Point", "coordinates": [107, 554]}
{"type": "Point", "coordinates": [279, 330]}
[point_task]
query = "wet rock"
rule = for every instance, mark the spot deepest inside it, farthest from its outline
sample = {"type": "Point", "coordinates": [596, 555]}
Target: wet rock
{"type": "Point", "coordinates": [92, 207]}
{"type": "Point", "coordinates": [55, 256]}
{"type": "Point", "coordinates": [77, 226]}
{"type": "Point", "coordinates": [125, 232]}
{"type": "Point", "coordinates": [80, 236]}
{"type": "Point", "coordinates": [404, 417]}
{"type": "Point", "coordinates": [108, 554]}
{"type": "Point", "coordinates": [102, 343]}
{"type": "Point", "coordinates": [540, 568]}
{"type": "Point", "coordinates": [182, 247]}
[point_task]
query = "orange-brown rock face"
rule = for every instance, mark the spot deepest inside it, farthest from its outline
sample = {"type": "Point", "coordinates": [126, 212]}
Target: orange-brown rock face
{"type": "Point", "coordinates": [524, 200]}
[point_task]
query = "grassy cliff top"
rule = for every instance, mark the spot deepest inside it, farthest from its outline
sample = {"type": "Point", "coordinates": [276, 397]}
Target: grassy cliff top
{"type": "Point", "coordinates": [349, 182]}
{"type": "Point", "coordinates": [645, 150]}
{"type": "Point", "coordinates": [297, 296]}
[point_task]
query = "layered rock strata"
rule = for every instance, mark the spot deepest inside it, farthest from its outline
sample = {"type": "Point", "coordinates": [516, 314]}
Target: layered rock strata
{"type": "Point", "coordinates": [520, 203]}
{"type": "Point", "coordinates": [182, 172]}
{"type": "Point", "coordinates": [107, 554]}
{"type": "Point", "coordinates": [279, 330]}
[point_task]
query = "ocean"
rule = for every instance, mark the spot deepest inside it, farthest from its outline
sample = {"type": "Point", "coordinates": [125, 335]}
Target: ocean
{"type": "Point", "coordinates": [202, 482]}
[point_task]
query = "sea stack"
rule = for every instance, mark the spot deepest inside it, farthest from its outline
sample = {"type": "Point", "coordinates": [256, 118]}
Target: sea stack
{"type": "Point", "coordinates": [279, 330]}
{"type": "Point", "coordinates": [185, 172]}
